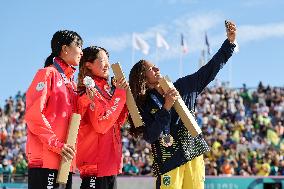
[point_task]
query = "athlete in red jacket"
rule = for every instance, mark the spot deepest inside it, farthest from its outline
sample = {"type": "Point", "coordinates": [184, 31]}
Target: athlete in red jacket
{"type": "Point", "coordinates": [50, 102]}
{"type": "Point", "coordinates": [99, 150]}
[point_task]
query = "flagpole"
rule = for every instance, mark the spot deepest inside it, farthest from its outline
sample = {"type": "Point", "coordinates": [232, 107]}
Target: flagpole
{"type": "Point", "coordinates": [230, 74]}
{"type": "Point", "coordinates": [180, 65]}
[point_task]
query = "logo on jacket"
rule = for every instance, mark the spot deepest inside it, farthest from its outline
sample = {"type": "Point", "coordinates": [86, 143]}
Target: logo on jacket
{"type": "Point", "coordinates": [166, 180]}
{"type": "Point", "coordinates": [40, 86]}
{"type": "Point", "coordinates": [59, 83]}
{"type": "Point", "coordinates": [154, 110]}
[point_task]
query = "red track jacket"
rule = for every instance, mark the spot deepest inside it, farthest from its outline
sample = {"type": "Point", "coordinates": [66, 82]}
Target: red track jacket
{"type": "Point", "coordinates": [48, 111]}
{"type": "Point", "coordinates": [99, 150]}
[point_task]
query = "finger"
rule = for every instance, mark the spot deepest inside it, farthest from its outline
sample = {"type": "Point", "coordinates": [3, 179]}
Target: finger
{"type": "Point", "coordinates": [231, 23]}
{"type": "Point", "coordinates": [93, 89]}
{"type": "Point", "coordinates": [173, 94]}
{"type": "Point", "coordinates": [125, 85]}
{"type": "Point", "coordinates": [233, 26]}
{"type": "Point", "coordinates": [68, 154]}
{"type": "Point", "coordinates": [172, 90]}
{"type": "Point", "coordinates": [70, 150]}
{"type": "Point", "coordinates": [88, 91]}
{"type": "Point", "coordinates": [64, 158]}
{"type": "Point", "coordinates": [233, 29]}
{"type": "Point", "coordinates": [169, 94]}
{"type": "Point", "coordinates": [65, 155]}
{"type": "Point", "coordinates": [114, 80]}
{"type": "Point", "coordinates": [121, 80]}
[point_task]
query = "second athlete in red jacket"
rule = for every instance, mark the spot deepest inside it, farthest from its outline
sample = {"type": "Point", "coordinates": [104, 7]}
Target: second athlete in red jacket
{"type": "Point", "coordinates": [99, 150]}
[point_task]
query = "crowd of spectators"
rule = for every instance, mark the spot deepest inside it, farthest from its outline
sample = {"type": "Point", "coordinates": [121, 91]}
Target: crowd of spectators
{"type": "Point", "coordinates": [243, 127]}
{"type": "Point", "coordinates": [13, 140]}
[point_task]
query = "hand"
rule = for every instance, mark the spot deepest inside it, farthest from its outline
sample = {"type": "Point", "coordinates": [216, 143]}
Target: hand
{"type": "Point", "coordinates": [68, 152]}
{"type": "Point", "coordinates": [91, 92]}
{"type": "Point", "coordinates": [170, 97]}
{"type": "Point", "coordinates": [231, 31]}
{"type": "Point", "coordinates": [122, 84]}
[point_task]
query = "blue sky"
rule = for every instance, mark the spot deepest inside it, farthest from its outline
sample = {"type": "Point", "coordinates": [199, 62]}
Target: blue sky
{"type": "Point", "coordinates": [26, 28]}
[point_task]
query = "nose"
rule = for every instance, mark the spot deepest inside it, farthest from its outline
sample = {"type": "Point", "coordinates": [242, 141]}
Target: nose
{"type": "Point", "coordinates": [107, 64]}
{"type": "Point", "coordinates": [81, 53]}
{"type": "Point", "coordinates": [156, 69]}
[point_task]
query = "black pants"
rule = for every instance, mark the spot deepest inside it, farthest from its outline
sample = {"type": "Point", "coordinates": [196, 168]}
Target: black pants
{"type": "Point", "coordinates": [158, 182]}
{"type": "Point", "coordinates": [42, 178]}
{"type": "Point", "coordinates": [107, 182]}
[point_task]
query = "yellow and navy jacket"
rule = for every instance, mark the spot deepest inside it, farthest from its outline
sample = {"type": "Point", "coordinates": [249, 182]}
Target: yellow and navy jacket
{"type": "Point", "coordinates": [156, 118]}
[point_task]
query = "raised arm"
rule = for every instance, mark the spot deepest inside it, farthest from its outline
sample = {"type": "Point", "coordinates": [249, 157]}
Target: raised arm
{"type": "Point", "coordinates": [200, 79]}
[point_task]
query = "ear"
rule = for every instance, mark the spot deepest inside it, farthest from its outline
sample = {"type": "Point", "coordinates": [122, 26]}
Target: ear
{"type": "Point", "coordinates": [64, 49]}
{"type": "Point", "coordinates": [89, 65]}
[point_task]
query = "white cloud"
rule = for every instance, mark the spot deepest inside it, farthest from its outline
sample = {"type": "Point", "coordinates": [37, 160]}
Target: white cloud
{"type": "Point", "coordinates": [249, 33]}
{"type": "Point", "coordinates": [115, 43]}
{"type": "Point", "coordinates": [193, 26]}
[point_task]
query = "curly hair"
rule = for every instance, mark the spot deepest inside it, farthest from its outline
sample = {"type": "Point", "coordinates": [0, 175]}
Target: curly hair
{"type": "Point", "coordinates": [60, 38]}
{"type": "Point", "coordinates": [137, 84]}
{"type": "Point", "coordinates": [89, 55]}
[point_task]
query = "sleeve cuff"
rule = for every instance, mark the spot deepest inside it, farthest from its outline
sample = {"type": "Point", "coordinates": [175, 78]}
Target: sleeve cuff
{"type": "Point", "coordinates": [58, 148]}
{"type": "Point", "coordinates": [228, 47]}
{"type": "Point", "coordinates": [236, 49]}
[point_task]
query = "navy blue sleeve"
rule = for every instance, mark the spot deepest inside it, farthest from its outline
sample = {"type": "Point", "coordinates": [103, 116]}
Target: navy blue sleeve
{"type": "Point", "coordinates": [155, 124]}
{"type": "Point", "coordinates": [200, 79]}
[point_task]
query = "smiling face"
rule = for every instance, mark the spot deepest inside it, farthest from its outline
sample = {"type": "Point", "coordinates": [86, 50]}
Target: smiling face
{"type": "Point", "coordinates": [72, 54]}
{"type": "Point", "coordinates": [152, 74]}
{"type": "Point", "coordinates": [100, 66]}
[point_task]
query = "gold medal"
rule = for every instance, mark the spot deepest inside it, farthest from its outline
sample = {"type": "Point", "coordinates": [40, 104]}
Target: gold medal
{"type": "Point", "coordinates": [167, 140]}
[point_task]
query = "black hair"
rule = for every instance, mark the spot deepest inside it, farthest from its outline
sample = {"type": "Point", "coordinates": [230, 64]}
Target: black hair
{"type": "Point", "coordinates": [60, 38]}
{"type": "Point", "coordinates": [137, 83]}
{"type": "Point", "coordinates": [89, 55]}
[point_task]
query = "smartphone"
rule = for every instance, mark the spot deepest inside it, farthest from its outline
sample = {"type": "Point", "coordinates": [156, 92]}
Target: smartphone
{"type": "Point", "coordinates": [227, 24]}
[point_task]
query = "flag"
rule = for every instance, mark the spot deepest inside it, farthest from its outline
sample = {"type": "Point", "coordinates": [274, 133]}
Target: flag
{"type": "Point", "coordinates": [140, 44]}
{"type": "Point", "coordinates": [207, 44]}
{"type": "Point", "coordinates": [183, 44]}
{"type": "Point", "coordinates": [161, 42]}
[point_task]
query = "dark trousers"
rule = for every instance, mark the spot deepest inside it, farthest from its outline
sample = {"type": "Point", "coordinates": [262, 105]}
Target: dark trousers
{"type": "Point", "coordinates": [107, 182]}
{"type": "Point", "coordinates": [42, 178]}
{"type": "Point", "coordinates": [158, 182]}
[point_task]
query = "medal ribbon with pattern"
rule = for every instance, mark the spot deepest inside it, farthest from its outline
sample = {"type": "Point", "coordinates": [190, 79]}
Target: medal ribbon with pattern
{"type": "Point", "coordinates": [167, 139]}
{"type": "Point", "coordinates": [68, 84]}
